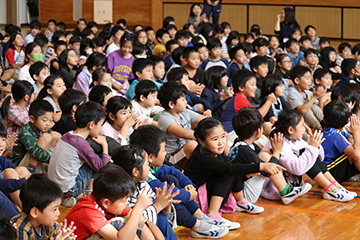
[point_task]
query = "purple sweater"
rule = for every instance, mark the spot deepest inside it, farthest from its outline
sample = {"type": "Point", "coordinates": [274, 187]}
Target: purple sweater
{"type": "Point", "coordinates": [120, 67]}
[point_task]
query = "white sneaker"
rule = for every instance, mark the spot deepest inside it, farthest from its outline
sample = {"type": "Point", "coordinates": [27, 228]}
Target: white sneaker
{"type": "Point", "coordinates": [69, 202]}
{"type": "Point", "coordinates": [295, 193]}
{"type": "Point", "coordinates": [338, 195]}
{"type": "Point", "coordinates": [354, 194]}
{"type": "Point", "coordinates": [249, 208]}
{"type": "Point", "coordinates": [229, 224]}
{"type": "Point", "coordinates": [214, 232]}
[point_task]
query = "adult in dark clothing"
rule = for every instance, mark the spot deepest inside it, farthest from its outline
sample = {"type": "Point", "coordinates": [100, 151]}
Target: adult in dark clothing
{"type": "Point", "coordinates": [285, 24]}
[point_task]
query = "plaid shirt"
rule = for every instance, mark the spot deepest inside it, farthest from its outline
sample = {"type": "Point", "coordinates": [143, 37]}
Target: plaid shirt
{"type": "Point", "coordinates": [16, 119]}
{"type": "Point", "coordinates": [25, 231]}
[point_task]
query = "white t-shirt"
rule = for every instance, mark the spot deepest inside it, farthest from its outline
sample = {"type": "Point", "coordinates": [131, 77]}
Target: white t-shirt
{"type": "Point", "coordinates": [24, 74]}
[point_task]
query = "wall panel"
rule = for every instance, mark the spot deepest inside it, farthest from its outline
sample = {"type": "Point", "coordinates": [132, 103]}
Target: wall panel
{"type": "Point", "coordinates": [135, 11]}
{"type": "Point", "coordinates": [179, 11]}
{"type": "Point", "coordinates": [350, 23]}
{"type": "Point", "coordinates": [265, 16]}
{"type": "Point", "coordinates": [235, 15]}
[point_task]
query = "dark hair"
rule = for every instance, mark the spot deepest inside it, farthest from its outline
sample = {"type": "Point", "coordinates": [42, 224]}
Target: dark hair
{"type": "Point", "coordinates": [138, 49]}
{"type": "Point", "coordinates": [240, 78]}
{"type": "Point", "coordinates": [98, 74]}
{"type": "Point", "coordinates": [286, 119]}
{"type": "Point", "coordinates": [206, 29]}
{"type": "Point", "coordinates": [140, 64]}
{"type": "Point", "coordinates": [7, 230]}
{"type": "Point", "coordinates": [321, 72]}
{"type": "Point", "coordinates": [57, 34]}
{"type": "Point", "coordinates": [290, 42]}
{"type": "Point", "coordinates": [176, 74]}
{"type": "Point", "coordinates": [255, 32]}
{"type": "Point", "coordinates": [256, 61]}
{"type": "Point", "coordinates": [39, 191]}
{"type": "Point", "coordinates": [126, 38]}
{"type": "Point", "coordinates": [106, 30]}
{"type": "Point", "coordinates": [147, 29]}
{"type": "Point", "coordinates": [336, 114]}
{"type": "Point", "coordinates": [121, 21]}
{"type": "Point", "coordinates": [246, 121]}
{"type": "Point", "coordinates": [167, 20]}
{"type": "Point", "coordinates": [28, 50]}
{"type": "Point", "coordinates": [169, 44]}
{"type": "Point", "coordinates": [270, 64]}
{"type": "Point", "coordinates": [304, 38]}
{"type": "Point", "coordinates": [197, 41]}
{"type": "Point", "coordinates": [160, 33]}
{"type": "Point", "coordinates": [171, 92]}
{"type": "Point", "coordinates": [324, 40]}
{"type": "Point", "coordinates": [35, 24]}
{"type": "Point", "coordinates": [309, 52]}
{"type": "Point", "coordinates": [176, 55]}
{"type": "Point", "coordinates": [156, 59]}
{"type": "Point", "coordinates": [356, 49]}
{"type": "Point", "coordinates": [87, 112]}
{"type": "Point", "coordinates": [347, 65]}
{"type": "Point", "coordinates": [171, 27]}
{"type": "Point", "coordinates": [113, 183]}
{"type": "Point", "coordinates": [138, 33]}
{"type": "Point", "coordinates": [81, 20]}
{"type": "Point", "coordinates": [95, 60]}
{"type": "Point", "coordinates": [233, 51]}
{"type": "Point", "coordinates": [69, 98]}
{"type": "Point", "coordinates": [137, 25]}
{"type": "Point", "coordinates": [225, 24]}
{"type": "Point", "coordinates": [19, 90]}
{"type": "Point", "coordinates": [324, 57]}
{"type": "Point", "coordinates": [129, 157]}
{"type": "Point", "coordinates": [187, 26]}
{"type": "Point", "coordinates": [182, 34]}
{"type": "Point", "coordinates": [248, 48]}
{"type": "Point", "coordinates": [218, 29]}
{"type": "Point", "coordinates": [97, 94]}
{"type": "Point", "coordinates": [269, 84]}
{"type": "Point", "coordinates": [192, 7]}
{"type": "Point", "coordinates": [12, 39]}
{"type": "Point", "coordinates": [280, 57]}
{"type": "Point", "coordinates": [213, 76]}
{"type": "Point", "coordinates": [204, 126]}
{"type": "Point", "coordinates": [188, 50]}
{"type": "Point", "coordinates": [149, 138]}
{"type": "Point", "coordinates": [308, 27]}
{"type": "Point", "coordinates": [64, 56]}
{"type": "Point", "coordinates": [86, 32]}
{"type": "Point", "coordinates": [105, 35]}
{"type": "Point", "coordinates": [260, 42]}
{"type": "Point", "coordinates": [345, 93]}
{"type": "Point", "coordinates": [97, 42]}
{"type": "Point", "coordinates": [232, 35]}
{"type": "Point", "coordinates": [92, 24]}
{"type": "Point", "coordinates": [342, 46]}
{"type": "Point", "coordinates": [213, 43]}
{"type": "Point", "coordinates": [58, 44]}
{"type": "Point", "coordinates": [298, 72]}
{"type": "Point", "coordinates": [85, 42]}
{"type": "Point", "coordinates": [41, 39]}
{"type": "Point", "coordinates": [48, 84]}
{"type": "Point", "coordinates": [290, 17]}
{"type": "Point", "coordinates": [61, 25]}
{"type": "Point", "coordinates": [145, 88]}
{"type": "Point", "coordinates": [249, 35]}
{"type": "Point", "coordinates": [114, 105]}
{"type": "Point", "coordinates": [39, 108]}
{"type": "Point", "coordinates": [115, 29]}
{"type": "Point", "coordinates": [75, 39]}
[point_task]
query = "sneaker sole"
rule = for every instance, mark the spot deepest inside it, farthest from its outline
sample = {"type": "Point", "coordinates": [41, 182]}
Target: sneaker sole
{"type": "Point", "coordinates": [214, 234]}
{"type": "Point", "coordinates": [327, 196]}
{"type": "Point", "coordinates": [239, 209]}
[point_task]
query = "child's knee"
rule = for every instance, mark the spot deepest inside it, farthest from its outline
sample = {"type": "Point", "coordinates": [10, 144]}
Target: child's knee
{"type": "Point", "coordinates": [23, 171]}
{"type": "Point", "coordinates": [10, 173]}
{"type": "Point", "coordinates": [189, 147]}
{"type": "Point", "coordinates": [55, 135]}
{"type": "Point", "coordinates": [45, 137]}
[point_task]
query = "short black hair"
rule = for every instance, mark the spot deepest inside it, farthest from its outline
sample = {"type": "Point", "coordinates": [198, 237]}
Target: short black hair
{"type": "Point", "coordinates": [97, 42]}
{"type": "Point", "coordinates": [36, 68]}
{"type": "Point", "coordinates": [59, 43]}
{"type": "Point", "coordinates": [85, 43]}
{"type": "Point", "coordinates": [213, 76]}
{"type": "Point", "coordinates": [240, 78]}
{"type": "Point", "coordinates": [171, 92]}
{"type": "Point", "coordinates": [356, 49]}
{"type": "Point", "coordinates": [169, 44]}
{"type": "Point", "coordinates": [156, 59]}
{"type": "Point", "coordinates": [75, 39]}
{"type": "Point", "coordinates": [176, 55]}
{"type": "Point", "coordinates": [290, 42]}
{"type": "Point", "coordinates": [86, 32]}
{"type": "Point", "coordinates": [256, 61]}
{"type": "Point", "coordinates": [308, 27]}
{"type": "Point", "coordinates": [69, 98]}
{"type": "Point", "coordinates": [3, 130]}
{"type": "Point", "coordinates": [321, 72]}
{"type": "Point", "coordinates": [345, 93]}
{"type": "Point", "coordinates": [304, 38]}
{"type": "Point", "coordinates": [342, 46]}
{"type": "Point", "coordinates": [248, 47]}
{"type": "Point", "coordinates": [182, 34]}
{"type": "Point", "coordinates": [7, 230]}
{"type": "Point", "coordinates": [213, 42]}
{"type": "Point", "coordinates": [121, 21]}
{"type": "Point", "coordinates": [188, 50]}
{"type": "Point", "coordinates": [246, 121]}
{"type": "Point", "coordinates": [92, 24]}
{"type": "Point", "coordinates": [35, 24]}
{"type": "Point", "coordinates": [298, 72]}
{"type": "Point", "coordinates": [39, 108]}
{"type": "Point", "coordinates": [310, 51]}
{"type": "Point", "coordinates": [52, 20]}
{"type": "Point", "coordinates": [167, 20]}
{"type": "Point", "coordinates": [336, 114]}
{"type": "Point", "coordinates": [87, 112]}
{"type": "Point", "coordinates": [324, 40]}
{"type": "Point", "coordinates": [176, 74]}
{"type": "Point", "coordinates": [145, 88]}
{"type": "Point", "coordinates": [129, 157]}
{"type": "Point", "coordinates": [140, 64]}
{"type": "Point", "coordinates": [61, 25]}
{"type": "Point", "coordinates": [98, 74]}
{"type": "Point", "coordinates": [138, 48]}
{"type": "Point", "coordinates": [149, 138]}
{"type": "Point", "coordinates": [286, 119]}
{"type": "Point", "coordinates": [57, 34]}
{"type": "Point", "coordinates": [41, 40]}
{"type": "Point", "coordinates": [269, 84]}
{"type": "Point", "coordinates": [255, 32]}
{"type": "Point", "coordinates": [219, 29]}
{"type": "Point", "coordinates": [113, 183]}
{"type": "Point", "coordinates": [96, 59]}
{"type": "Point", "coordinates": [147, 29]}
{"type": "Point", "coordinates": [81, 20]}
{"type": "Point", "coordinates": [114, 105]}
{"type": "Point", "coordinates": [234, 50]}
{"type": "Point", "coordinates": [39, 191]}
{"type": "Point", "coordinates": [98, 93]}
{"type": "Point", "coordinates": [160, 33]}
{"type": "Point", "coordinates": [106, 35]}
{"type": "Point", "coordinates": [347, 65]}
{"type": "Point", "coordinates": [115, 29]}
{"type": "Point", "coordinates": [260, 42]}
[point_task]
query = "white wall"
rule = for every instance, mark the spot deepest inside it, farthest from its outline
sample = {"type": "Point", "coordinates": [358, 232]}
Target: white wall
{"type": "Point", "coordinates": [2, 11]}
{"type": "Point", "coordinates": [22, 12]}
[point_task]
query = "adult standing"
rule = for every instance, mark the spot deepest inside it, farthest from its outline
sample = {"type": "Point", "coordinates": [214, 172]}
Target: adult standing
{"type": "Point", "coordinates": [285, 24]}
{"type": "Point", "coordinates": [214, 7]}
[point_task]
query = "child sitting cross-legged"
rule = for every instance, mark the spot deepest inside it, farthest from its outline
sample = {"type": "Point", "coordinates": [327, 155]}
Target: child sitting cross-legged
{"type": "Point", "coordinates": [106, 214]}
{"type": "Point", "coordinates": [73, 162]}
{"type": "Point", "coordinates": [36, 139]}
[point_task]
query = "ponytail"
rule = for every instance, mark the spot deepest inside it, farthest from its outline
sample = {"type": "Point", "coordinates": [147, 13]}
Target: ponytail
{"type": "Point", "coordinates": [287, 118]}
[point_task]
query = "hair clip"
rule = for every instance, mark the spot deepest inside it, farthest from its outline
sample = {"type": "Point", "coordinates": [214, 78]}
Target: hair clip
{"type": "Point", "coordinates": [276, 124]}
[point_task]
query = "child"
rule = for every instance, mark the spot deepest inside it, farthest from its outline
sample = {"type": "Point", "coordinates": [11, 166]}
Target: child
{"type": "Point", "coordinates": [141, 38]}
{"type": "Point", "coordinates": [15, 56]}
{"type": "Point", "coordinates": [311, 60]}
{"type": "Point", "coordinates": [16, 115]}
{"type": "Point", "coordinates": [73, 150]}
{"type": "Point", "coordinates": [305, 43]}
{"type": "Point", "coordinates": [296, 34]}
{"type": "Point", "coordinates": [274, 47]}
{"type": "Point", "coordinates": [311, 32]}
{"type": "Point", "coordinates": [344, 52]}
{"type": "Point", "coordinates": [300, 157]}
{"type": "Point", "coordinates": [259, 66]}
{"type": "Point", "coordinates": [191, 58]}
{"type": "Point", "coordinates": [150, 37]}
{"type": "Point", "coordinates": [102, 77]}
{"type": "Point", "coordinates": [145, 101]}
{"type": "Point", "coordinates": [182, 37]}
{"type": "Point", "coordinates": [84, 78]}
{"type": "Point", "coordinates": [47, 52]}
{"type": "Point", "coordinates": [81, 25]}
{"type": "Point", "coordinates": [176, 121]}
{"type": "Point", "coordinates": [170, 46]}
{"type": "Point", "coordinates": [283, 68]}
{"type": "Point", "coordinates": [162, 36]}
{"type": "Point", "coordinates": [274, 84]}
{"type": "Point", "coordinates": [54, 86]}
{"type": "Point", "coordinates": [261, 47]}
{"type": "Point", "coordinates": [51, 29]}
{"type": "Point", "coordinates": [351, 71]}
{"type": "Point", "coordinates": [100, 94]}
{"type": "Point", "coordinates": [35, 28]}
{"type": "Point", "coordinates": [322, 77]}
{"type": "Point", "coordinates": [116, 34]}
{"type": "Point", "coordinates": [172, 29]}
{"type": "Point", "coordinates": [302, 99]}
{"type": "Point", "coordinates": [214, 47]}
{"type": "Point", "coordinates": [328, 61]}
{"type": "Point", "coordinates": [96, 214]}
{"type": "Point", "coordinates": [324, 42]}
{"type": "Point", "coordinates": [98, 45]}
{"type": "Point", "coordinates": [120, 64]}
{"type": "Point", "coordinates": [69, 101]}
{"type": "Point", "coordinates": [41, 199]}
{"type": "Point", "coordinates": [216, 91]}
{"type": "Point", "coordinates": [39, 72]}
{"type": "Point", "coordinates": [59, 47]}
{"type": "Point", "coordinates": [159, 68]}
{"type": "Point", "coordinates": [248, 49]}
{"type": "Point", "coordinates": [232, 40]}
{"type": "Point", "coordinates": [203, 52]}
{"type": "Point", "coordinates": [36, 139]}
{"type": "Point", "coordinates": [238, 59]}
{"type": "Point", "coordinates": [68, 64]}
{"type": "Point", "coordinates": [33, 54]}
{"type": "Point", "coordinates": [7, 230]}
{"type": "Point", "coordinates": [188, 214]}
{"type": "Point", "coordinates": [296, 56]}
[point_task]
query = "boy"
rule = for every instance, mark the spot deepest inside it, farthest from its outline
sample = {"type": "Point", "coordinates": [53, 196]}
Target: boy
{"type": "Point", "coordinates": [36, 139]}
{"type": "Point", "coordinates": [153, 141]}
{"type": "Point", "coordinates": [191, 58]}
{"type": "Point", "coordinates": [356, 52]}
{"type": "Point", "coordinates": [344, 50]}
{"type": "Point", "coordinates": [322, 77]}
{"type": "Point", "coordinates": [74, 44]}
{"type": "Point", "coordinates": [162, 36]}
{"type": "Point", "coordinates": [145, 101]}
{"type": "Point", "coordinates": [238, 59]}
{"type": "Point", "coordinates": [248, 49]}
{"type": "Point", "coordinates": [116, 33]}
{"type": "Point", "coordinates": [259, 66]}
{"type": "Point", "coordinates": [51, 29]}
{"type": "Point", "coordinates": [261, 47]}
{"type": "Point", "coordinates": [159, 68]}
{"type": "Point", "coordinates": [310, 31]}
{"type": "Point", "coordinates": [351, 71]}
{"type": "Point", "coordinates": [35, 28]}
{"type": "Point", "coordinates": [176, 122]}
{"type": "Point", "coordinates": [143, 69]}
{"type": "Point", "coordinates": [170, 46]}
{"type": "Point", "coordinates": [203, 51]}
{"type": "Point", "coordinates": [305, 43]}
{"type": "Point", "coordinates": [69, 101]}
{"type": "Point", "coordinates": [59, 47]}
{"type": "Point", "coordinates": [73, 150]}
{"type": "Point", "coordinates": [172, 29]}
{"type": "Point", "coordinates": [311, 60]}
{"type": "Point", "coordinates": [96, 214]}
{"type": "Point", "coordinates": [61, 26]}
{"type": "Point", "coordinates": [214, 47]}
{"type": "Point", "coordinates": [41, 199]}
{"type": "Point", "coordinates": [296, 56]}
{"type": "Point", "coordinates": [47, 52]}
{"type": "Point", "coordinates": [151, 37]}
{"type": "Point", "coordinates": [324, 42]}
{"type": "Point", "coordinates": [182, 37]}
{"type": "Point", "coordinates": [39, 72]}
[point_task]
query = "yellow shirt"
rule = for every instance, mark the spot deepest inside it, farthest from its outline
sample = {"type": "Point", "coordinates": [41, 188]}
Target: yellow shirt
{"type": "Point", "coordinates": [159, 50]}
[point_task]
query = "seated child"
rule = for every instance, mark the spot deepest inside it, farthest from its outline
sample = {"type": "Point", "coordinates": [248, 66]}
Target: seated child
{"type": "Point", "coordinates": [59, 47]}
{"type": "Point", "coordinates": [305, 43]}
{"type": "Point", "coordinates": [203, 51]}
{"type": "Point", "coordinates": [191, 58]}
{"type": "Point", "coordinates": [302, 99]}
{"type": "Point", "coordinates": [274, 47]}
{"type": "Point", "coordinates": [178, 60]}
{"type": "Point", "coordinates": [238, 59]}
{"type": "Point", "coordinates": [150, 37]}
{"type": "Point", "coordinates": [322, 77]}
{"type": "Point", "coordinates": [41, 199]}
{"type": "Point", "coordinates": [261, 47]}
{"type": "Point", "coordinates": [97, 213]}
{"type": "Point", "coordinates": [100, 94]}
{"type": "Point", "coordinates": [324, 42]}
{"type": "Point", "coordinates": [102, 77]}
{"type": "Point", "coordinates": [351, 71]}
{"type": "Point", "coordinates": [73, 162]}
{"type": "Point", "coordinates": [162, 36]}
{"type": "Point", "coordinates": [188, 214]}
{"type": "Point", "coordinates": [293, 49]}
{"type": "Point", "coordinates": [36, 139]}
{"type": "Point", "coordinates": [356, 53]}
{"type": "Point", "coordinates": [170, 46]}
{"type": "Point", "coordinates": [214, 47]}
{"type": "Point", "coordinates": [159, 68]}
{"type": "Point", "coordinates": [259, 66]}
{"type": "Point", "coordinates": [182, 37]}
{"type": "Point", "coordinates": [7, 230]}
{"type": "Point", "coordinates": [311, 60]}
{"type": "Point", "coordinates": [116, 33]}
{"type": "Point", "coordinates": [69, 101]}
{"type": "Point", "coordinates": [344, 52]}
{"type": "Point", "coordinates": [176, 122]}
{"type": "Point", "coordinates": [39, 72]}
{"type": "Point", "coordinates": [310, 31]}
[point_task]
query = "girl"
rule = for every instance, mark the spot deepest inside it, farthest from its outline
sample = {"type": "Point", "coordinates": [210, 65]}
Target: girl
{"type": "Point", "coordinates": [139, 51]}
{"type": "Point", "coordinates": [15, 56]}
{"type": "Point", "coordinates": [300, 157]}
{"type": "Point", "coordinates": [141, 37]}
{"type": "Point", "coordinates": [68, 64]}
{"type": "Point", "coordinates": [84, 78]}
{"type": "Point", "coordinates": [232, 40]}
{"type": "Point", "coordinates": [328, 61]}
{"type": "Point", "coordinates": [216, 91]}
{"type": "Point", "coordinates": [196, 16]}
{"type": "Point", "coordinates": [208, 164]}
{"type": "Point", "coordinates": [120, 64]}
{"type": "Point", "coordinates": [283, 68]}
{"type": "Point", "coordinates": [190, 28]}
{"type": "Point", "coordinates": [322, 77]}
{"type": "Point", "coordinates": [296, 34]}
{"type": "Point", "coordinates": [33, 54]}
{"type": "Point", "coordinates": [54, 86]}
{"type": "Point", "coordinates": [274, 84]}
{"type": "Point", "coordinates": [16, 115]}
{"type": "Point", "coordinates": [274, 48]}
{"type": "Point", "coordinates": [102, 77]}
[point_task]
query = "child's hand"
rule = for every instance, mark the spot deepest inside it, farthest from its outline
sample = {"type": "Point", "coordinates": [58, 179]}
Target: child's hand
{"type": "Point", "coordinates": [271, 168]}
{"type": "Point", "coordinates": [142, 123]}
{"type": "Point", "coordinates": [226, 94]}
{"type": "Point", "coordinates": [145, 200]}
{"type": "Point", "coordinates": [164, 197]}
{"type": "Point", "coordinates": [190, 188]}
{"type": "Point", "coordinates": [131, 120]}
{"type": "Point", "coordinates": [207, 113]}
{"type": "Point", "coordinates": [271, 97]}
{"type": "Point", "coordinates": [197, 89]}
{"type": "Point", "coordinates": [317, 139]}
{"type": "Point", "coordinates": [277, 142]}
{"type": "Point", "coordinates": [354, 125]}
{"type": "Point", "coordinates": [319, 92]}
{"type": "Point", "coordinates": [100, 140]}
{"type": "Point", "coordinates": [66, 232]}
{"type": "Point", "coordinates": [10, 140]}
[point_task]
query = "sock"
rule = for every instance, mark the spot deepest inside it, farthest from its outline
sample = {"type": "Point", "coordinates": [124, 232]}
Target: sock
{"type": "Point", "coordinates": [331, 187]}
{"type": "Point", "coordinates": [242, 201]}
{"type": "Point", "coordinates": [204, 226]}
{"type": "Point", "coordinates": [205, 217]}
{"type": "Point", "coordinates": [286, 190]}
{"type": "Point", "coordinates": [215, 216]}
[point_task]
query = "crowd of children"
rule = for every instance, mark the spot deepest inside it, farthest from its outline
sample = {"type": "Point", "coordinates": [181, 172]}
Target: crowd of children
{"type": "Point", "coordinates": [141, 131]}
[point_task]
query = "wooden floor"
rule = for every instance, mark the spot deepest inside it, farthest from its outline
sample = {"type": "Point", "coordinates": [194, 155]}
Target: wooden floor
{"type": "Point", "coordinates": [308, 217]}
